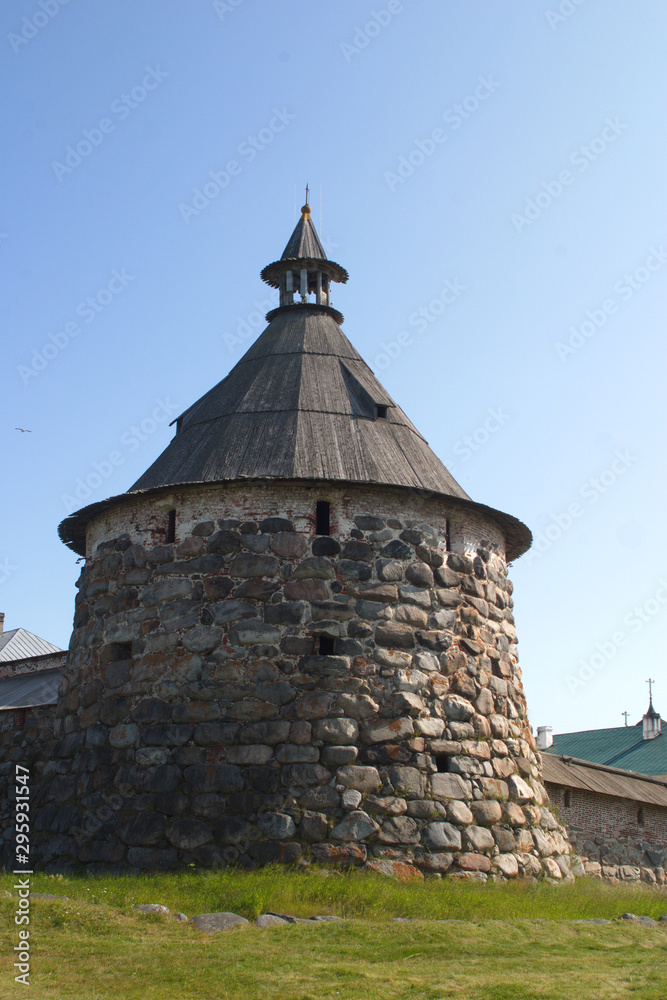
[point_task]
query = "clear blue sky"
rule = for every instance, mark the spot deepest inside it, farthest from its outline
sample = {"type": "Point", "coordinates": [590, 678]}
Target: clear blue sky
{"type": "Point", "coordinates": [506, 148]}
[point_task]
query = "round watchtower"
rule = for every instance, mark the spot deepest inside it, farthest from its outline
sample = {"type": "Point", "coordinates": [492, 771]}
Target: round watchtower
{"type": "Point", "coordinates": [293, 638]}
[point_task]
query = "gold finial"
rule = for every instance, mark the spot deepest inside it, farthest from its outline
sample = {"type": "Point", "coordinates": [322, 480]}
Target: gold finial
{"type": "Point", "coordinates": [305, 210]}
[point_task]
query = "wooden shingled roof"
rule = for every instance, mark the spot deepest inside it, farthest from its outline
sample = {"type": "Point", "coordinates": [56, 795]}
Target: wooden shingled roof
{"type": "Point", "coordinates": [301, 404]}
{"type": "Point", "coordinates": [304, 241]}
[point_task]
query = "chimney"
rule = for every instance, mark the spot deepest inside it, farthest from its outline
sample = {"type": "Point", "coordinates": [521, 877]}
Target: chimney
{"type": "Point", "coordinates": [544, 737]}
{"type": "Point", "coordinates": [2, 622]}
{"type": "Point", "coordinates": [651, 723]}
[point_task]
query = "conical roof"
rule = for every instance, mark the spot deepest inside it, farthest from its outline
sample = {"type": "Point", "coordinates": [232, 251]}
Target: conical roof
{"type": "Point", "coordinates": [300, 404]}
{"type": "Point", "coordinates": [304, 241]}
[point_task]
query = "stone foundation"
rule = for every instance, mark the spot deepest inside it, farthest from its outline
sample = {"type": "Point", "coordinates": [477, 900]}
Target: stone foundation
{"type": "Point", "coordinates": [252, 692]}
{"type": "Point", "coordinates": [618, 839]}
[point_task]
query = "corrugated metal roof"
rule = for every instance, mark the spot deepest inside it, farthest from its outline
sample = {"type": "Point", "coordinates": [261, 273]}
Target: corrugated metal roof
{"type": "Point", "coordinates": [19, 644]}
{"type": "Point", "coordinates": [623, 784]}
{"type": "Point", "coordinates": [621, 746]}
{"type": "Point", "coordinates": [30, 690]}
{"type": "Point", "coordinates": [301, 404]}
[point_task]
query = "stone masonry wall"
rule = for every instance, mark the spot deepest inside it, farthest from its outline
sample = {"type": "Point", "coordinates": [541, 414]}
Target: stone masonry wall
{"type": "Point", "coordinates": [24, 736]}
{"type": "Point", "coordinates": [605, 831]}
{"type": "Point", "coordinates": [253, 692]}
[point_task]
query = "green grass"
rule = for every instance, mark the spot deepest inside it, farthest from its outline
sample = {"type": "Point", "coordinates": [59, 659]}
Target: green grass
{"type": "Point", "coordinates": [357, 894]}
{"type": "Point", "coordinates": [513, 942]}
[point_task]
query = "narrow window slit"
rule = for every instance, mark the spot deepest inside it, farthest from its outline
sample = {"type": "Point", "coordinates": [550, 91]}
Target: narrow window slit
{"type": "Point", "coordinates": [120, 651]}
{"type": "Point", "coordinates": [442, 762]}
{"type": "Point", "coordinates": [171, 526]}
{"type": "Point", "coordinates": [567, 798]}
{"type": "Point", "coordinates": [640, 817]}
{"type": "Point", "coordinates": [323, 517]}
{"type": "Point", "coordinates": [327, 646]}
{"type": "Point", "coordinates": [20, 715]}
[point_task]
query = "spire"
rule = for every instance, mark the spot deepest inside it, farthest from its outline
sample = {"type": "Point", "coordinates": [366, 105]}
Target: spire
{"type": "Point", "coordinates": [651, 721]}
{"type": "Point", "coordinates": [304, 241]}
{"type": "Point", "coordinates": [304, 273]}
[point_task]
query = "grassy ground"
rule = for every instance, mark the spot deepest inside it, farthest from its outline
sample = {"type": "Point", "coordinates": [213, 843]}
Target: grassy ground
{"type": "Point", "coordinates": [513, 942]}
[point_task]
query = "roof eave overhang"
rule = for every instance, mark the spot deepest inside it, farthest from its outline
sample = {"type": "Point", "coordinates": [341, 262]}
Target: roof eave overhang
{"type": "Point", "coordinates": [72, 530]}
{"type": "Point", "coordinates": [272, 273]}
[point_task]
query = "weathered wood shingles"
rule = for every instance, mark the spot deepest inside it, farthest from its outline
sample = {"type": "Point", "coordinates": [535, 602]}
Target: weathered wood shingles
{"type": "Point", "coordinates": [301, 404]}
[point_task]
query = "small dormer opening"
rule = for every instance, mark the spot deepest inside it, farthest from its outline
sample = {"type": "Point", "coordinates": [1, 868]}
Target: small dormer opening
{"type": "Point", "coordinates": [380, 411]}
{"type": "Point", "coordinates": [326, 646]}
{"type": "Point", "coordinates": [171, 526]}
{"type": "Point", "coordinates": [322, 517]}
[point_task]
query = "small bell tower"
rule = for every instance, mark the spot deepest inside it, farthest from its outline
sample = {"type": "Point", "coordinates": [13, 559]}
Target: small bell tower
{"type": "Point", "coordinates": [304, 274]}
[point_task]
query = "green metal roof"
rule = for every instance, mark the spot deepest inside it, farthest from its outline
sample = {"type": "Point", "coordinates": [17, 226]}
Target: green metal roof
{"type": "Point", "coordinates": [621, 747]}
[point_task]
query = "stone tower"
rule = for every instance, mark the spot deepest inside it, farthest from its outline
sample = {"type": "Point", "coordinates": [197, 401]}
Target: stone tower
{"type": "Point", "coordinates": [293, 638]}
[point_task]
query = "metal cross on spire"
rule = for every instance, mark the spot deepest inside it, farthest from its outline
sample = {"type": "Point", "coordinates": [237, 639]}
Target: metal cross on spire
{"type": "Point", "coordinates": [650, 683]}
{"type": "Point", "coordinates": [625, 715]}
{"type": "Point", "coordinates": [307, 190]}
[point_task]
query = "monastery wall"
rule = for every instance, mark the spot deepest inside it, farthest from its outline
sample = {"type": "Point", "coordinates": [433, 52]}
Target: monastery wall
{"type": "Point", "coordinates": [619, 838]}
